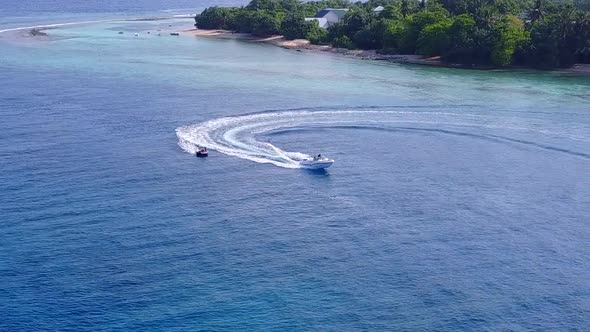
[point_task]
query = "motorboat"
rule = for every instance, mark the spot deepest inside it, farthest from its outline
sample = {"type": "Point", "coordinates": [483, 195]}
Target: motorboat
{"type": "Point", "coordinates": [202, 152]}
{"type": "Point", "coordinates": [317, 162]}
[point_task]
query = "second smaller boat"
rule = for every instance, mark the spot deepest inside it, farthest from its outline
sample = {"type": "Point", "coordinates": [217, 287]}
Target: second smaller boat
{"type": "Point", "coordinates": [202, 152]}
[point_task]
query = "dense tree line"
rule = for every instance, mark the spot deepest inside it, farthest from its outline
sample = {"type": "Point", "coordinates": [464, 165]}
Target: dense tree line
{"type": "Point", "coordinates": [269, 17]}
{"type": "Point", "coordinates": [538, 33]}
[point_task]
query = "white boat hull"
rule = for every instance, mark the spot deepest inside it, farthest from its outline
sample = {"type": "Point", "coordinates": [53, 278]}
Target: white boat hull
{"type": "Point", "coordinates": [316, 164]}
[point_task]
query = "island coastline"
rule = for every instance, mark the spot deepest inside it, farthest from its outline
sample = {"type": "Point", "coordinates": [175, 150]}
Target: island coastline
{"type": "Point", "coordinates": [305, 45]}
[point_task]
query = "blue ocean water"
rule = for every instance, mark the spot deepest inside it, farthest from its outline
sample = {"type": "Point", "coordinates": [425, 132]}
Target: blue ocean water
{"type": "Point", "coordinates": [459, 200]}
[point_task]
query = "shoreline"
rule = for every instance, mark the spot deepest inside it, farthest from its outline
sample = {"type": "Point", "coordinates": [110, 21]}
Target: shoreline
{"type": "Point", "coordinates": [305, 45]}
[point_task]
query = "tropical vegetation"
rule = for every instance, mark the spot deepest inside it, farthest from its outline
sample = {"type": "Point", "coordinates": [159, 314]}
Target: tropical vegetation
{"type": "Point", "coordinates": [499, 33]}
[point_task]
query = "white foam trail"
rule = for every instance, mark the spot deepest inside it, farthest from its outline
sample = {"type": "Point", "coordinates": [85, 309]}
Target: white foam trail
{"type": "Point", "coordinates": [237, 136]}
{"type": "Point", "coordinates": [56, 25]}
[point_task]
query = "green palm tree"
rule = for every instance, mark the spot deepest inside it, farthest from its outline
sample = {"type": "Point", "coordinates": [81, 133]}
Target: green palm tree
{"type": "Point", "coordinates": [487, 16]}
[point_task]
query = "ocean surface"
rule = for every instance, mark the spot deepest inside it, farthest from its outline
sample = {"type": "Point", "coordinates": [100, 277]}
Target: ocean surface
{"type": "Point", "coordinates": [459, 200]}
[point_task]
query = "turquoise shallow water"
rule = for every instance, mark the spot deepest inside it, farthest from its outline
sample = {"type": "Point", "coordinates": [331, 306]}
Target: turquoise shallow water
{"type": "Point", "coordinates": [459, 200]}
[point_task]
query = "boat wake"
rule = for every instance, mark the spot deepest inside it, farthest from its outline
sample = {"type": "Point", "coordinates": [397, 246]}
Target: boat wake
{"type": "Point", "coordinates": [239, 136]}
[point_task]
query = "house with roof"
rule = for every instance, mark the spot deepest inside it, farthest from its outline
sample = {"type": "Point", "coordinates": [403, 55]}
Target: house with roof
{"type": "Point", "coordinates": [322, 22]}
{"type": "Point", "coordinates": [378, 10]}
{"type": "Point", "coordinates": [328, 17]}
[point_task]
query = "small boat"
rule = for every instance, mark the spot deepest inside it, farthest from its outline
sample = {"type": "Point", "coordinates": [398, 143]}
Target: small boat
{"type": "Point", "coordinates": [317, 162]}
{"type": "Point", "coordinates": [174, 34]}
{"type": "Point", "coordinates": [202, 152]}
{"type": "Point", "coordinates": [120, 32]}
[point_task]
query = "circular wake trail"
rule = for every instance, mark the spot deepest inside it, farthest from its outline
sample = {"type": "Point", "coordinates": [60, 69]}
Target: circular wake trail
{"type": "Point", "coordinates": [239, 136]}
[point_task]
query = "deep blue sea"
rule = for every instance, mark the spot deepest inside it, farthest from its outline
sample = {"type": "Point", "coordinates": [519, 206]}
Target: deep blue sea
{"type": "Point", "coordinates": [459, 200]}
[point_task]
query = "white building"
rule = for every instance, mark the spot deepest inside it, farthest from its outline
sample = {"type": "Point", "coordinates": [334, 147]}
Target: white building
{"type": "Point", "coordinates": [328, 17]}
{"type": "Point", "coordinates": [378, 10]}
